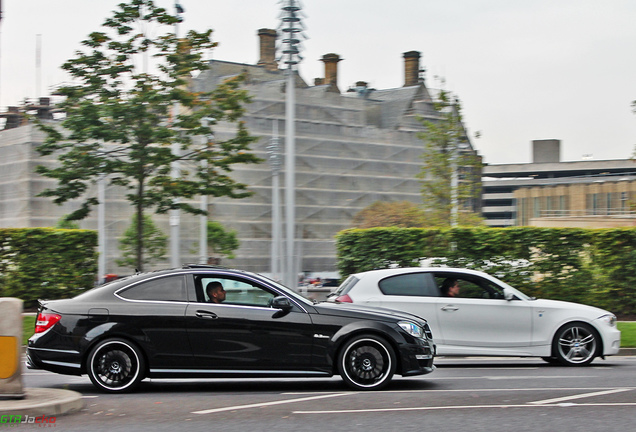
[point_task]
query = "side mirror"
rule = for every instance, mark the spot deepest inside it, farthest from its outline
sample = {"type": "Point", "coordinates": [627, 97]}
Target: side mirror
{"type": "Point", "coordinates": [508, 295]}
{"type": "Point", "coordinates": [283, 304]}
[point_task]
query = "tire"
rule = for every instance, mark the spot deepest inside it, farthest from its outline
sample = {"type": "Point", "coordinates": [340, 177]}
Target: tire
{"type": "Point", "coordinates": [366, 362]}
{"type": "Point", "coordinates": [115, 366]}
{"type": "Point", "coordinates": [551, 360]}
{"type": "Point", "coordinates": [575, 344]}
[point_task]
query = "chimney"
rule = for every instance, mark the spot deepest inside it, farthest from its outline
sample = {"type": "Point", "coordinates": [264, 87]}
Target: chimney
{"type": "Point", "coordinates": [267, 42]}
{"type": "Point", "coordinates": [331, 70]}
{"type": "Point", "coordinates": [411, 68]}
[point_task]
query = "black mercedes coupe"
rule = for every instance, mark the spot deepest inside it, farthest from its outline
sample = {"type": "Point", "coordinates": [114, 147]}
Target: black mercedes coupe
{"type": "Point", "coordinates": [211, 322]}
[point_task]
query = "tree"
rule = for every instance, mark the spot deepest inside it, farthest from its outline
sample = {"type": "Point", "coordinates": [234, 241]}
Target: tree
{"type": "Point", "coordinates": [222, 242]}
{"type": "Point", "coordinates": [443, 142]}
{"type": "Point", "coordinates": [154, 243]}
{"type": "Point", "coordinates": [402, 214]}
{"type": "Point", "coordinates": [118, 121]}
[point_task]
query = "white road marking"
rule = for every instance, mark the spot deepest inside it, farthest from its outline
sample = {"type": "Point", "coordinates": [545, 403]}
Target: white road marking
{"type": "Point", "coordinates": [580, 396]}
{"type": "Point", "coordinates": [264, 404]}
{"type": "Point", "coordinates": [473, 390]}
{"type": "Point", "coordinates": [375, 410]}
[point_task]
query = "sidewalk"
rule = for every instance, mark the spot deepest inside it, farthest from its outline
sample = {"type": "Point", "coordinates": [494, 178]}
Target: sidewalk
{"type": "Point", "coordinates": [43, 402]}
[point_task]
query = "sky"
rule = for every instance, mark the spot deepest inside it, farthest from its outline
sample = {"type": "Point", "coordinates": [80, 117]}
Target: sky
{"type": "Point", "coordinates": [523, 69]}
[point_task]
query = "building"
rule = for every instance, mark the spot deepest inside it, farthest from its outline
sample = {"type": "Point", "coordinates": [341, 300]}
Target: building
{"type": "Point", "coordinates": [353, 148]}
{"type": "Point", "coordinates": [521, 194]}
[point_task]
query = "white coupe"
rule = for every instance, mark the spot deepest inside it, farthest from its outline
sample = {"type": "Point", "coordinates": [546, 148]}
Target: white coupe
{"type": "Point", "coordinates": [487, 317]}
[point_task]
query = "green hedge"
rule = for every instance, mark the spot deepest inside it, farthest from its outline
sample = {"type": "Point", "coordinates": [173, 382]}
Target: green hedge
{"type": "Point", "coordinates": [46, 263]}
{"type": "Point", "coordinates": [591, 266]}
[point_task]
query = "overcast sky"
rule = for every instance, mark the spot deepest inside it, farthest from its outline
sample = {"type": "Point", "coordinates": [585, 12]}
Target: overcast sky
{"type": "Point", "coordinates": [523, 69]}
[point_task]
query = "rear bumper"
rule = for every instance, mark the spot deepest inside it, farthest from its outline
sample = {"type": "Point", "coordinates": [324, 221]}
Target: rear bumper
{"type": "Point", "coordinates": [58, 361]}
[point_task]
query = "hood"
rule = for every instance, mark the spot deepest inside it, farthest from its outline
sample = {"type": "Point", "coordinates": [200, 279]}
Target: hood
{"type": "Point", "coordinates": [361, 311]}
{"type": "Point", "coordinates": [590, 312]}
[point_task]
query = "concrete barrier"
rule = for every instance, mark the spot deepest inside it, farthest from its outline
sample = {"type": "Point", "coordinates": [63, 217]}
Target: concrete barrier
{"type": "Point", "coordinates": [10, 348]}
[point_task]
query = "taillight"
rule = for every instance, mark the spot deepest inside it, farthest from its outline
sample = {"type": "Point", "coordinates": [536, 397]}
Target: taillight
{"type": "Point", "coordinates": [45, 321]}
{"type": "Point", "coordinates": [344, 299]}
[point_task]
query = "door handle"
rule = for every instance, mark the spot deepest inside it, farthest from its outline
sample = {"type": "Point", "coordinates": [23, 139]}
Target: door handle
{"type": "Point", "coordinates": [206, 315]}
{"type": "Point", "coordinates": [450, 308]}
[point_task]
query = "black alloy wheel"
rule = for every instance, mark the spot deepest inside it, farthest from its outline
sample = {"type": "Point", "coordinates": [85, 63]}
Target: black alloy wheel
{"type": "Point", "coordinates": [115, 365]}
{"type": "Point", "coordinates": [366, 362]}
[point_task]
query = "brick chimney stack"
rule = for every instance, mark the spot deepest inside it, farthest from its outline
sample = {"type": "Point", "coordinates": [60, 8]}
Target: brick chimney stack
{"type": "Point", "coordinates": [411, 68]}
{"type": "Point", "coordinates": [331, 70]}
{"type": "Point", "coordinates": [267, 43]}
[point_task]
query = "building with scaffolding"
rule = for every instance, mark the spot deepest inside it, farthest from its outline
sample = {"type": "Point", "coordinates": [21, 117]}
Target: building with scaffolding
{"type": "Point", "coordinates": [353, 148]}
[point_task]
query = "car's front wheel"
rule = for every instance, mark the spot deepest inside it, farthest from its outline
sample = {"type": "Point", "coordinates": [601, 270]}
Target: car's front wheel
{"type": "Point", "coordinates": [366, 362]}
{"type": "Point", "coordinates": [115, 365]}
{"type": "Point", "coordinates": [575, 344]}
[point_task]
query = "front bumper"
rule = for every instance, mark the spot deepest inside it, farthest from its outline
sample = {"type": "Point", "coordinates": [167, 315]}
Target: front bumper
{"type": "Point", "coordinates": [417, 358]}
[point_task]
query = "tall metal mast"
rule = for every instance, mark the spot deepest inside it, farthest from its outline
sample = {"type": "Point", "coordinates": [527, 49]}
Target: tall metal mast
{"type": "Point", "coordinates": [292, 28]}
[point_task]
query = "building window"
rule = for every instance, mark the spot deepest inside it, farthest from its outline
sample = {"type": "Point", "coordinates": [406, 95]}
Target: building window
{"type": "Point", "coordinates": [536, 208]}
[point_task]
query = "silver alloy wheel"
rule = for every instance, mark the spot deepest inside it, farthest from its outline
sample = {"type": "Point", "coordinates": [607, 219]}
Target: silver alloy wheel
{"type": "Point", "coordinates": [576, 344]}
{"type": "Point", "coordinates": [367, 363]}
{"type": "Point", "coordinates": [115, 366]}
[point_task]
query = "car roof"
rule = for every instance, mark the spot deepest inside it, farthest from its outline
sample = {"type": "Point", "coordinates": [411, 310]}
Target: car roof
{"type": "Point", "coordinates": [380, 273]}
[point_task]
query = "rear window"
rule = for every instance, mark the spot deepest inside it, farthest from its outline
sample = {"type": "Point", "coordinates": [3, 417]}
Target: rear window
{"type": "Point", "coordinates": [411, 284]}
{"type": "Point", "coordinates": [172, 288]}
{"type": "Point", "coordinates": [346, 286]}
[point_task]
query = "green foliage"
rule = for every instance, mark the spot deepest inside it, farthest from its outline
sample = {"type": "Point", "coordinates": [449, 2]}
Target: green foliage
{"type": "Point", "coordinates": [402, 214]}
{"type": "Point", "coordinates": [442, 138]}
{"type": "Point", "coordinates": [221, 241]}
{"type": "Point", "coordinates": [46, 263]}
{"type": "Point", "coordinates": [64, 223]}
{"type": "Point", "coordinates": [119, 121]}
{"type": "Point", "coordinates": [595, 267]}
{"type": "Point", "coordinates": [154, 243]}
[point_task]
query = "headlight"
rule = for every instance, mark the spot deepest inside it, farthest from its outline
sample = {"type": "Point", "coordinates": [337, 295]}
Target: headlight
{"type": "Point", "coordinates": [609, 319]}
{"type": "Point", "coordinates": [412, 329]}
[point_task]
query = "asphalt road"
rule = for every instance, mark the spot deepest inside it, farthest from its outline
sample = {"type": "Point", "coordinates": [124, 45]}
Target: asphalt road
{"type": "Point", "coordinates": [461, 395]}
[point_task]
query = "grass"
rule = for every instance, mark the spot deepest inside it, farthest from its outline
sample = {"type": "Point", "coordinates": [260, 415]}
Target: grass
{"type": "Point", "coordinates": [28, 325]}
{"type": "Point", "coordinates": [628, 334]}
{"type": "Point", "coordinates": [628, 331]}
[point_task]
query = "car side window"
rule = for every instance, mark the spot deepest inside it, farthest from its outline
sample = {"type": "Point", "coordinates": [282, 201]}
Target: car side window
{"type": "Point", "coordinates": [412, 284]}
{"type": "Point", "coordinates": [472, 287]}
{"type": "Point", "coordinates": [236, 291]}
{"type": "Point", "coordinates": [171, 288]}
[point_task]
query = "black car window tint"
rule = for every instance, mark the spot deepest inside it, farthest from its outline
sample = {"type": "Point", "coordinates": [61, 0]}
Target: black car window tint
{"type": "Point", "coordinates": [239, 291]}
{"type": "Point", "coordinates": [412, 284]}
{"type": "Point", "coordinates": [172, 288]}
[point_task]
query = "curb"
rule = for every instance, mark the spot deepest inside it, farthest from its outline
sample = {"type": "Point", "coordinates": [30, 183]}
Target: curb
{"type": "Point", "coordinates": [43, 402]}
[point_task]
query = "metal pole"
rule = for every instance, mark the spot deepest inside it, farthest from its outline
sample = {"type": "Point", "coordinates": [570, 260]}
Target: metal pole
{"type": "Point", "coordinates": [203, 227]}
{"type": "Point", "coordinates": [290, 182]}
{"type": "Point", "coordinates": [454, 186]}
{"type": "Point", "coordinates": [276, 247]}
{"type": "Point", "coordinates": [175, 215]}
{"type": "Point", "coordinates": [101, 228]}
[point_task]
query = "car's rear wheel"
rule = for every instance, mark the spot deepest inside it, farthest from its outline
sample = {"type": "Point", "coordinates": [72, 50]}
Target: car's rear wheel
{"type": "Point", "coordinates": [366, 362]}
{"type": "Point", "coordinates": [575, 344]}
{"type": "Point", "coordinates": [115, 365]}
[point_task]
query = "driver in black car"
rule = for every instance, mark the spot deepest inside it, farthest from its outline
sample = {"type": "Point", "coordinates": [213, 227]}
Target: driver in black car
{"type": "Point", "coordinates": [215, 291]}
